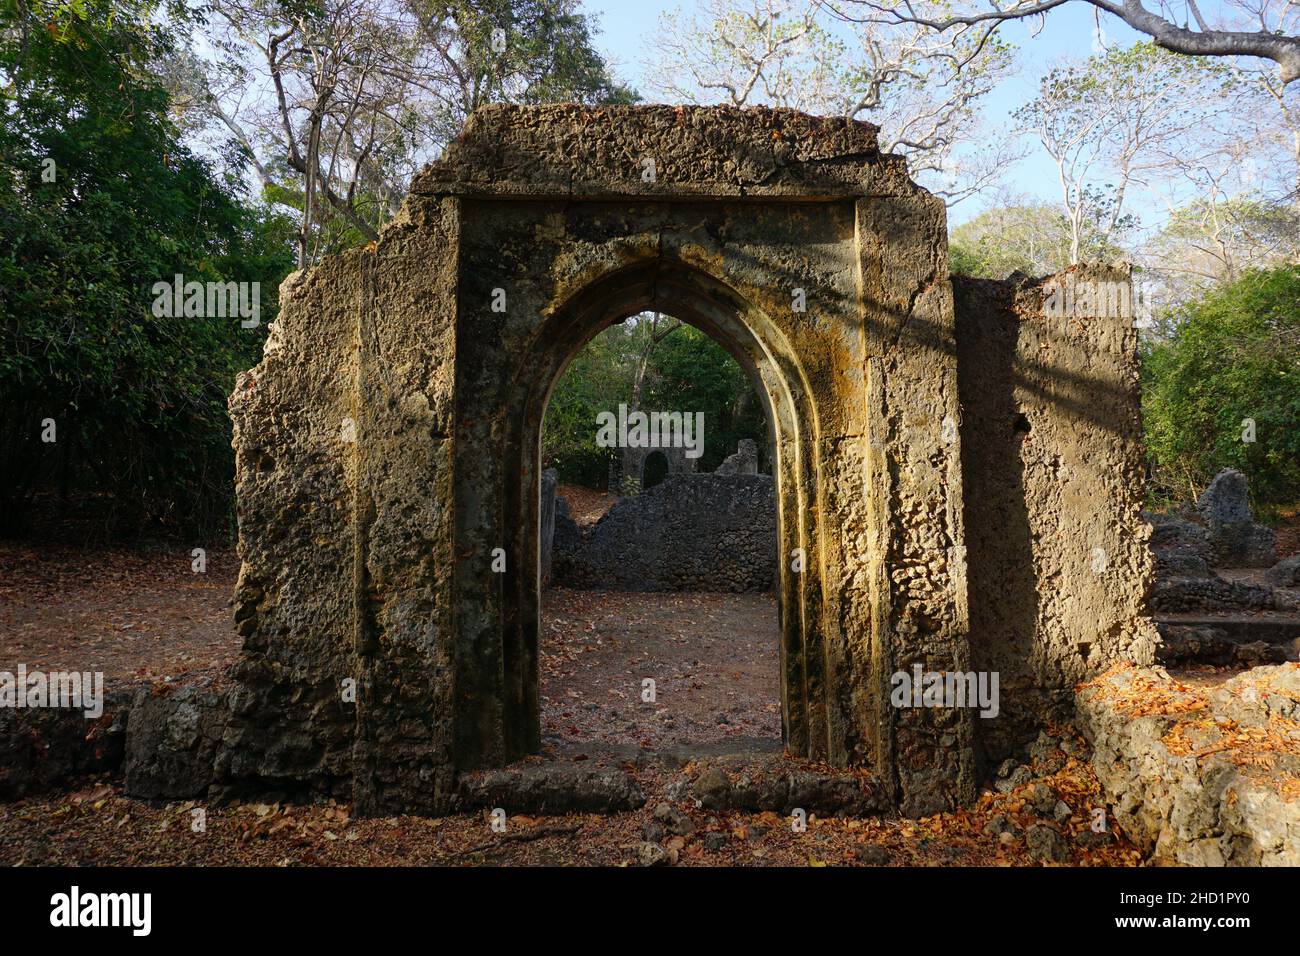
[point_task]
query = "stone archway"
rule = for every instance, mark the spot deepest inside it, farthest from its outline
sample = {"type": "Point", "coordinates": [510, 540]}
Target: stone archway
{"type": "Point", "coordinates": [387, 453]}
{"type": "Point", "coordinates": [493, 736]}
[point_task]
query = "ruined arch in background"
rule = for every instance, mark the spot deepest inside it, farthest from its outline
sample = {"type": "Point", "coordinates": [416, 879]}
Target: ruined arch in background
{"type": "Point", "coordinates": [387, 460]}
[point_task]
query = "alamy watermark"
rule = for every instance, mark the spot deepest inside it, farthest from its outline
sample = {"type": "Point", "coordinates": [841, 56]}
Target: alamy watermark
{"type": "Point", "coordinates": [948, 689]}
{"type": "Point", "coordinates": [637, 429]}
{"type": "Point", "coordinates": [208, 300]}
{"type": "Point", "coordinates": [71, 689]}
{"type": "Point", "coordinates": [1072, 297]}
{"type": "Point", "coordinates": [129, 910]}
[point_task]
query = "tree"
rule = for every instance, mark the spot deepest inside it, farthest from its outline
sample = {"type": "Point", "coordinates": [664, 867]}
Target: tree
{"type": "Point", "coordinates": [653, 362]}
{"type": "Point", "coordinates": [923, 91]}
{"type": "Point", "coordinates": [1216, 239]}
{"type": "Point", "coordinates": [339, 102]}
{"type": "Point", "coordinates": [1178, 27]}
{"type": "Point", "coordinates": [99, 200]}
{"type": "Point", "coordinates": [1033, 238]}
{"type": "Point", "coordinates": [1232, 356]}
{"type": "Point", "coordinates": [1112, 123]}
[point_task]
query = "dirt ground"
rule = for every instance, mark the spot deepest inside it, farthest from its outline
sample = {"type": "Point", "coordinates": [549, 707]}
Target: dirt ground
{"type": "Point", "coordinates": [586, 505]}
{"type": "Point", "coordinates": [131, 614]}
{"type": "Point", "coordinates": [713, 658]}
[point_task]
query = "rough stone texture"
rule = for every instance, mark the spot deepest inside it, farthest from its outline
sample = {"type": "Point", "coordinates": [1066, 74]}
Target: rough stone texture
{"type": "Point", "coordinates": [1285, 574]}
{"type": "Point", "coordinates": [1053, 466]}
{"type": "Point", "coordinates": [546, 540]}
{"type": "Point", "coordinates": [1181, 781]}
{"type": "Point", "coordinates": [756, 788]}
{"type": "Point", "coordinates": [689, 533]}
{"type": "Point", "coordinates": [566, 542]}
{"type": "Point", "coordinates": [294, 600]}
{"type": "Point", "coordinates": [549, 788]}
{"type": "Point", "coordinates": [172, 741]}
{"type": "Point", "coordinates": [46, 748]}
{"type": "Point", "coordinates": [1181, 547]}
{"type": "Point", "coordinates": [744, 461]}
{"type": "Point", "coordinates": [387, 451]}
{"type": "Point", "coordinates": [1206, 644]}
{"type": "Point", "coordinates": [1210, 594]}
{"type": "Point", "coordinates": [1235, 540]}
{"type": "Point", "coordinates": [627, 475]}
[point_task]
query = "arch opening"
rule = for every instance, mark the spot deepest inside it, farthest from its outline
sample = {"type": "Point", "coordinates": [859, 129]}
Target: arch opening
{"type": "Point", "coordinates": [658, 618]}
{"type": "Point", "coordinates": [504, 725]}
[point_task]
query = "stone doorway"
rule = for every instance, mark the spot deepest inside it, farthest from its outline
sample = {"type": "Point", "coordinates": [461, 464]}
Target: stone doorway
{"type": "Point", "coordinates": [388, 474]}
{"type": "Point", "coordinates": [659, 625]}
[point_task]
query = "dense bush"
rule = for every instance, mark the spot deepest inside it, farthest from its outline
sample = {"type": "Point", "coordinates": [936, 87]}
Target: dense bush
{"type": "Point", "coordinates": [1231, 356]}
{"type": "Point", "coordinates": [98, 202]}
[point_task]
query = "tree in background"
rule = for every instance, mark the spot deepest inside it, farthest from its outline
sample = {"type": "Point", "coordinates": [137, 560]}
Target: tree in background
{"type": "Point", "coordinates": [1216, 239]}
{"type": "Point", "coordinates": [99, 201]}
{"type": "Point", "coordinates": [1111, 124]}
{"type": "Point", "coordinates": [923, 90]}
{"type": "Point", "coordinates": [1033, 238]}
{"type": "Point", "coordinates": [1232, 356]}
{"type": "Point", "coordinates": [338, 103]}
{"type": "Point", "coordinates": [679, 368]}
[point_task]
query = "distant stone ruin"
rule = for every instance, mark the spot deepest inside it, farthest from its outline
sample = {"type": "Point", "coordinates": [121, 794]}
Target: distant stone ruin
{"type": "Point", "coordinates": [1213, 604]}
{"type": "Point", "coordinates": [1235, 540]}
{"type": "Point", "coordinates": [743, 462]}
{"type": "Point", "coordinates": [688, 533]}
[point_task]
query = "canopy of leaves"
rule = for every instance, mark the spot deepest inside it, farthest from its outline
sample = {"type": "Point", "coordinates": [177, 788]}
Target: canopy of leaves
{"type": "Point", "coordinates": [1032, 238]}
{"type": "Point", "coordinates": [1233, 355]}
{"type": "Point", "coordinates": [686, 371]}
{"type": "Point", "coordinates": [98, 202]}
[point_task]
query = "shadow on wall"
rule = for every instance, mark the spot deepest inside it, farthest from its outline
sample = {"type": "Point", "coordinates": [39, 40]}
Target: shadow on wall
{"type": "Point", "coordinates": [1004, 582]}
{"type": "Point", "coordinates": [1051, 463]}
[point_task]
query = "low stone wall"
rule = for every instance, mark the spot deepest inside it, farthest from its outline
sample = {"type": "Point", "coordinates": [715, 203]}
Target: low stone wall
{"type": "Point", "coordinates": [162, 740]}
{"type": "Point", "coordinates": [689, 533]}
{"type": "Point", "coordinates": [1200, 777]}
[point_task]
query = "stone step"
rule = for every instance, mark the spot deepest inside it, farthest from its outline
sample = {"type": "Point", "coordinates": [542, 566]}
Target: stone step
{"type": "Point", "coordinates": [1272, 628]}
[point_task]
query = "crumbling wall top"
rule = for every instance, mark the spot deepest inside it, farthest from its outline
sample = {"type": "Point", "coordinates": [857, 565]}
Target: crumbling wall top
{"type": "Point", "coordinates": [577, 152]}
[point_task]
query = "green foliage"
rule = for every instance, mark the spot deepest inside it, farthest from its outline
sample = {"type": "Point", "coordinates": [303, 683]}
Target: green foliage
{"type": "Point", "coordinates": [139, 401]}
{"type": "Point", "coordinates": [696, 374]}
{"type": "Point", "coordinates": [687, 371]}
{"type": "Point", "coordinates": [1030, 238]}
{"type": "Point", "coordinates": [548, 57]}
{"type": "Point", "coordinates": [1233, 355]}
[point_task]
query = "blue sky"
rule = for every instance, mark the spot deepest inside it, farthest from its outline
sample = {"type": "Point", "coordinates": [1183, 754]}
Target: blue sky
{"type": "Point", "coordinates": [1067, 33]}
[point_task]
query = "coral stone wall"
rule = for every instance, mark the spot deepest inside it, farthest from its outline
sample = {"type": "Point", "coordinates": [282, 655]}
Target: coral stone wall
{"type": "Point", "coordinates": [1053, 465]}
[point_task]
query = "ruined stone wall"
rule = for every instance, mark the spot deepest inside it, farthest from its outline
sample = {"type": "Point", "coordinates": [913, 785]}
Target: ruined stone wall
{"type": "Point", "coordinates": [388, 469]}
{"type": "Point", "coordinates": [907, 603]}
{"type": "Point", "coordinates": [689, 533]}
{"type": "Point", "coordinates": [1053, 468]}
{"type": "Point", "coordinates": [294, 421]}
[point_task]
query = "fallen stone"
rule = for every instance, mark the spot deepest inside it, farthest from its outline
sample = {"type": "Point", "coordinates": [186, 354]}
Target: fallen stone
{"type": "Point", "coordinates": [1046, 845]}
{"type": "Point", "coordinates": [549, 788]}
{"type": "Point", "coordinates": [714, 841]}
{"type": "Point", "coordinates": [1235, 540]}
{"type": "Point", "coordinates": [1285, 574]}
{"type": "Point", "coordinates": [652, 854]}
{"type": "Point", "coordinates": [871, 854]}
{"type": "Point", "coordinates": [172, 742]}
